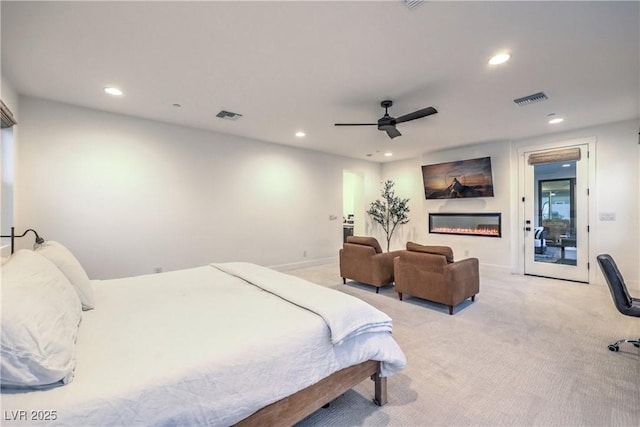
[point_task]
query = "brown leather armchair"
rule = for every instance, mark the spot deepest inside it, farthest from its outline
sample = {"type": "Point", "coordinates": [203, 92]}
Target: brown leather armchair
{"type": "Point", "coordinates": [362, 260]}
{"type": "Point", "coordinates": [429, 272]}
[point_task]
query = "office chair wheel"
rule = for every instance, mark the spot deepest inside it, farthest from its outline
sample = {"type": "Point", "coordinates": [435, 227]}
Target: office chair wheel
{"type": "Point", "coordinates": [613, 347]}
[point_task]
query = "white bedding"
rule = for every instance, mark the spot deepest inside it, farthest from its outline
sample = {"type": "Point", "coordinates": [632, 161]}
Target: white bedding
{"type": "Point", "coordinates": [196, 347]}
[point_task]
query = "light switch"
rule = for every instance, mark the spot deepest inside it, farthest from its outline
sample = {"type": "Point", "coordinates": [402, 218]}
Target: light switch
{"type": "Point", "coordinates": [607, 216]}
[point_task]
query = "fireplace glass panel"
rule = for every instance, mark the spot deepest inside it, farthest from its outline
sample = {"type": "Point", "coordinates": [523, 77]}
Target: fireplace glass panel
{"type": "Point", "coordinates": [471, 224]}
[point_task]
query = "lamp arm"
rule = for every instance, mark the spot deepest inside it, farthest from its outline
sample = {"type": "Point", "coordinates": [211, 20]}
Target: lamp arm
{"type": "Point", "coordinates": [13, 236]}
{"type": "Point", "coordinates": [34, 232]}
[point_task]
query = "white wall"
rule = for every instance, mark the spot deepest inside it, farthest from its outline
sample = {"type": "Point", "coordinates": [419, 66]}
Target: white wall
{"type": "Point", "coordinates": [616, 183]}
{"type": "Point", "coordinates": [617, 178]}
{"type": "Point", "coordinates": [407, 174]}
{"type": "Point", "coordinates": [128, 195]}
{"type": "Point", "coordinates": [9, 96]}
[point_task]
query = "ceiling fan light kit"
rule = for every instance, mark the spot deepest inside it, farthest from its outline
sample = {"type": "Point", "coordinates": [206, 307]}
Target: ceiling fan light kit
{"type": "Point", "coordinates": [388, 124]}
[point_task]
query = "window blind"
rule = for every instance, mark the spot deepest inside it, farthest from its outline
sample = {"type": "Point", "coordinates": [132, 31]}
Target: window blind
{"type": "Point", "coordinates": [562, 155]}
{"type": "Point", "coordinates": [7, 116]}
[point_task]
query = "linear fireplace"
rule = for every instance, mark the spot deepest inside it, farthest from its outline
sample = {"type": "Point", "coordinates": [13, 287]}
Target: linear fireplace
{"type": "Point", "coordinates": [468, 224]}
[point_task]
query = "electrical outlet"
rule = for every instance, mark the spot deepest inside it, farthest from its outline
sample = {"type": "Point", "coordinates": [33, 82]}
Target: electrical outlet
{"type": "Point", "coordinates": [304, 254]}
{"type": "Point", "coordinates": [157, 270]}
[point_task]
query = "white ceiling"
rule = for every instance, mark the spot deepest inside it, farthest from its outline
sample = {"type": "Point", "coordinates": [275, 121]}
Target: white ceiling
{"type": "Point", "coordinates": [289, 66]}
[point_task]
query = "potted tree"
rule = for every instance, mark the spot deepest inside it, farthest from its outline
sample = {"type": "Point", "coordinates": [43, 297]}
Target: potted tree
{"type": "Point", "coordinates": [390, 211]}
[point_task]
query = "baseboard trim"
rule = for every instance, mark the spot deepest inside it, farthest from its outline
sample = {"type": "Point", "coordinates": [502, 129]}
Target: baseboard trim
{"type": "Point", "coordinates": [633, 285]}
{"type": "Point", "coordinates": [304, 264]}
{"type": "Point", "coordinates": [323, 261]}
{"type": "Point", "coordinates": [495, 268]}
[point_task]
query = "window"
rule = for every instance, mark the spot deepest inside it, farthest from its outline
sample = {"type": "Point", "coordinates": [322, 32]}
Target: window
{"type": "Point", "coordinates": [6, 171]}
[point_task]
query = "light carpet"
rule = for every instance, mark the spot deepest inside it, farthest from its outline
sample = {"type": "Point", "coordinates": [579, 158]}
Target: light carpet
{"type": "Point", "coordinates": [529, 351]}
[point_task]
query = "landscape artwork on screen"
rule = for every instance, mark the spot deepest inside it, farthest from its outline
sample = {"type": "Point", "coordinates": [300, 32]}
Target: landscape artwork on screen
{"type": "Point", "coordinates": [460, 179]}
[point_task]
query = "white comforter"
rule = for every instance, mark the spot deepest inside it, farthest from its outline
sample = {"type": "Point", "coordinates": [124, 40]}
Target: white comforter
{"type": "Point", "coordinates": [205, 347]}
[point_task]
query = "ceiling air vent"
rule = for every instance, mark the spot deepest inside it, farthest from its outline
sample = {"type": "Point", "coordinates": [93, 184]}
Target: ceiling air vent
{"type": "Point", "coordinates": [526, 100]}
{"type": "Point", "coordinates": [412, 4]}
{"type": "Point", "coordinates": [228, 115]}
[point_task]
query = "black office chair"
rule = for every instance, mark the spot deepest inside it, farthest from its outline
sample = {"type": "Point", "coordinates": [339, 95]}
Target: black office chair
{"type": "Point", "coordinates": [624, 302]}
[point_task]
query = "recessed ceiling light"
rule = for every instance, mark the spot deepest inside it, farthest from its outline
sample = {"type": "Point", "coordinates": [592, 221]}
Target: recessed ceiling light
{"type": "Point", "coordinates": [556, 120]}
{"type": "Point", "coordinates": [500, 58]}
{"type": "Point", "coordinates": [388, 154]}
{"type": "Point", "coordinates": [113, 90]}
{"type": "Point", "coordinates": [300, 134]}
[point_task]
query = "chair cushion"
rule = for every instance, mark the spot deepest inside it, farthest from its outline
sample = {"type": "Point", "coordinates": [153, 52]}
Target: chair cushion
{"type": "Point", "coordinates": [437, 250]}
{"type": "Point", "coordinates": [366, 241]}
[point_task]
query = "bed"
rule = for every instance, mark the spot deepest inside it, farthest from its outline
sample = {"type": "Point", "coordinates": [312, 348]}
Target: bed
{"type": "Point", "coordinates": [219, 344]}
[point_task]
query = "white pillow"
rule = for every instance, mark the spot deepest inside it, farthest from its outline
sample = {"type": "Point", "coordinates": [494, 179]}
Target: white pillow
{"type": "Point", "coordinates": [70, 266]}
{"type": "Point", "coordinates": [40, 316]}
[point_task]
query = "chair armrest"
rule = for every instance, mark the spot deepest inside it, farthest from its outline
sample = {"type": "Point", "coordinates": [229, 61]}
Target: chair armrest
{"type": "Point", "coordinates": [385, 259]}
{"type": "Point", "coordinates": [355, 260]}
{"type": "Point", "coordinates": [362, 263]}
{"type": "Point", "coordinates": [390, 255]}
{"type": "Point", "coordinates": [464, 272]}
{"type": "Point", "coordinates": [463, 268]}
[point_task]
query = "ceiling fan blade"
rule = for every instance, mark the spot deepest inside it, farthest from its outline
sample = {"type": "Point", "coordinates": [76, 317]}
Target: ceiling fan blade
{"type": "Point", "coordinates": [391, 131]}
{"type": "Point", "coordinates": [416, 115]}
{"type": "Point", "coordinates": [356, 124]}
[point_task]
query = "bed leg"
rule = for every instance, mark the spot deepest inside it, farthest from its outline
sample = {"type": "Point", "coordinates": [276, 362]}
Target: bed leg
{"type": "Point", "coordinates": [380, 389]}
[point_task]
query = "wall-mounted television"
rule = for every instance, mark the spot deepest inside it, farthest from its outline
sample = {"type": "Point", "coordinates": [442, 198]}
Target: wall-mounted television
{"type": "Point", "coordinates": [460, 179]}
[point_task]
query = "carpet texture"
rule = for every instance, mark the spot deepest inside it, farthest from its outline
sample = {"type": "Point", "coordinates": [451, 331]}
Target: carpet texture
{"type": "Point", "coordinates": [529, 351]}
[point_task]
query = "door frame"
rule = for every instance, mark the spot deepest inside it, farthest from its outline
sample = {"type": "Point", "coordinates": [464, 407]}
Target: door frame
{"type": "Point", "coordinates": [591, 185]}
{"type": "Point", "coordinates": [356, 194]}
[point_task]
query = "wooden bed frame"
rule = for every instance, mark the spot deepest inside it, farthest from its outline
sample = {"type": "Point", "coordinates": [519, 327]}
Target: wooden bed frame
{"type": "Point", "coordinates": [296, 407]}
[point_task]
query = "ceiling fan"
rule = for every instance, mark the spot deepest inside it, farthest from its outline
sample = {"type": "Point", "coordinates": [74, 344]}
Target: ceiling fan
{"type": "Point", "coordinates": [388, 123]}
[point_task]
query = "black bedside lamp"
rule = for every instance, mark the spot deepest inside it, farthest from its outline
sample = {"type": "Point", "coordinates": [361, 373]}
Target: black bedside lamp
{"type": "Point", "coordinates": [39, 240]}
